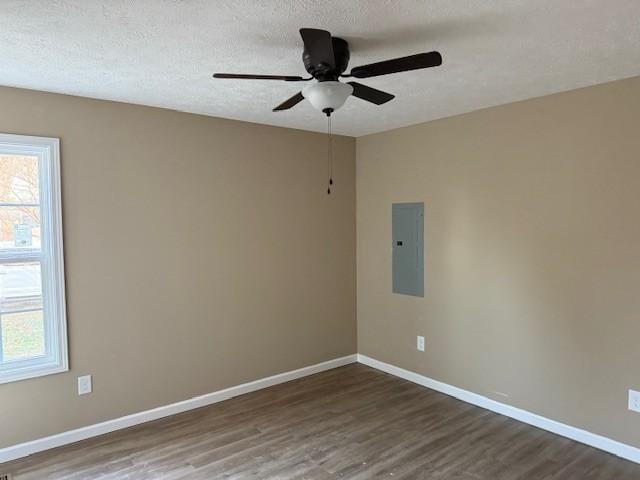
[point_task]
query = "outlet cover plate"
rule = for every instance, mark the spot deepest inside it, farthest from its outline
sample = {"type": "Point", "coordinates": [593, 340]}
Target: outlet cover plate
{"type": "Point", "coordinates": [420, 343]}
{"type": "Point", "coordinates": [634, 401]}
{"type": "Point", "coordinates": [84, 385]}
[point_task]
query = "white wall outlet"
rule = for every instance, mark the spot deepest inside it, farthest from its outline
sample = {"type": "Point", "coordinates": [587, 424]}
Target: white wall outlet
{"type": "Point", "coordinates": [634, 401]}
{"type": "Point", "coordinates": [420, 344]}
{"type": "Point", "coordinates": [84, 385]}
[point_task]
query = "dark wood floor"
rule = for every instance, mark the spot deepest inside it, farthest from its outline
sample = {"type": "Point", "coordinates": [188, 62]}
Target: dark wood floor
{"type": "Point", "coordinates": [349, 423]}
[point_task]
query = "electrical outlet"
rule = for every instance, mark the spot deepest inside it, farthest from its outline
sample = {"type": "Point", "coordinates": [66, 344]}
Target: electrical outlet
{"type": "Point", "coordinates": [420, 344]}
{"type": "Point", "coordinates": [84, 385]}
{"type": "Point", "coordinates": [634, 401]}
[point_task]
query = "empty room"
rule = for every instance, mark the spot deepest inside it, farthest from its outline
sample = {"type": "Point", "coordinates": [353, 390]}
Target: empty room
{"type": "Point", "coordinates": [288, 240]}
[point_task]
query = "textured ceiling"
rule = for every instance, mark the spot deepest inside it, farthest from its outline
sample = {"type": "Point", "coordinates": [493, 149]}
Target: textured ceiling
{"type": "Point", "coordinates": [163, 52]}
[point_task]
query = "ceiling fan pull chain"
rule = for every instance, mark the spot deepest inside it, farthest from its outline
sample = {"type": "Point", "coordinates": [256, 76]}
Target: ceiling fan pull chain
{"type": "Point", "coordinates": [329, 154]}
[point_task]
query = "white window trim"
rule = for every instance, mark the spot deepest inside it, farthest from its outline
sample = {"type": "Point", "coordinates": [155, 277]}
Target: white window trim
{"type": "Point", "coordinates": [51, 259]}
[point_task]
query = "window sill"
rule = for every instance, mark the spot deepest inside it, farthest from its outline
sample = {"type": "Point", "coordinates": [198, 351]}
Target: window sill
{"type": "Point", "coordinates": [39, 369]}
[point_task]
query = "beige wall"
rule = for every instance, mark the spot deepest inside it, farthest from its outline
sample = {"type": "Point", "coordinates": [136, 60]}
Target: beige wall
{"type": "Point", "coordinates": [200, 253]}
{"type": "Point", "coordinates": [532, 253]}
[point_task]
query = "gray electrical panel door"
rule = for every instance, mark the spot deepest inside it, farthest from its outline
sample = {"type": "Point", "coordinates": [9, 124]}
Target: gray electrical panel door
{"type": "Point", "coordinates": [408, 248]}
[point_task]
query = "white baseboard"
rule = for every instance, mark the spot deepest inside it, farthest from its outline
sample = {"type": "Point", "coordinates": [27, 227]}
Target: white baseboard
{"type": "Point", "coordinates": [28, 448]}
{"type": "Point", "coordinates": [603, 443]}
{"type": "Point", "coordinates": [598, 441]}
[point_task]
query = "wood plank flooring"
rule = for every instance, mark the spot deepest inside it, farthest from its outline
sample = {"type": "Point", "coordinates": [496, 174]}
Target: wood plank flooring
{"type": "Point", "coordinates": [349, 423]}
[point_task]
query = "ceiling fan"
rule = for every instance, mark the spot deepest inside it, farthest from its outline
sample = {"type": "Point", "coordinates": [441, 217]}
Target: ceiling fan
{"type": "Point", "coordinates": [326, 58]}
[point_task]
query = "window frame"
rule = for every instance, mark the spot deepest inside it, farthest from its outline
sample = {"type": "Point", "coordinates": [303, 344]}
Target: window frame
{"type": "Point", "coordinates": [50, 256]}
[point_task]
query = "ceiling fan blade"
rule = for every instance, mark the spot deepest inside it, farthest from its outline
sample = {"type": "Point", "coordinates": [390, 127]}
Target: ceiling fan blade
{"type": "Point", "coordinates": [319, 46]}
{"type": "Point", "coordinates": [287, 104]}
{"type": "Point", "coordinates": [403, 64]}
{"type": "Point", "coordinates": [369, 94]}
{"type": "Point", "coordinates": [241, 76]}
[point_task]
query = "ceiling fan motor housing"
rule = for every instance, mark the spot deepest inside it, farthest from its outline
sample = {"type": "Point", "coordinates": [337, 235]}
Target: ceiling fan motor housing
{"type": "Point", "coordinates": [323, 72]}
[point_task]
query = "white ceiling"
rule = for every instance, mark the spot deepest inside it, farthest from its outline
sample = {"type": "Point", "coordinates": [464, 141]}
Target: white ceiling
{"type": "Point", "coordinates": [163, 52]}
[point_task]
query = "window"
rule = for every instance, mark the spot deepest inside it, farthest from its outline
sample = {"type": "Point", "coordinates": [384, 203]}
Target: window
{"type": "Point", "coordinates": [33, 339]}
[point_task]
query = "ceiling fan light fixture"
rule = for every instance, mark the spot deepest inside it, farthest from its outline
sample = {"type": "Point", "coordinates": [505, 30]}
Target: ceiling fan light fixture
{"type": "Point", "coordinates": [327, 96]}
